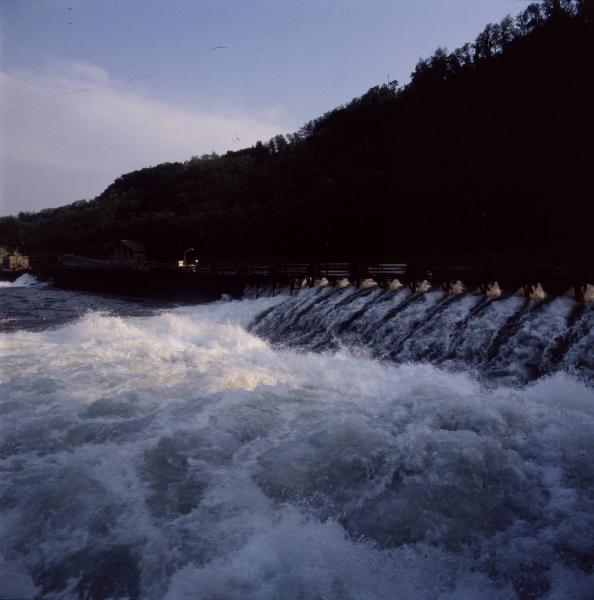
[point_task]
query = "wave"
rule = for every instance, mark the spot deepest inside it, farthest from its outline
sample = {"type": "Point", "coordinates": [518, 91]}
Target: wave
{"type": "Point", "coordinates": [25, 280]}
{"type": "Point", "coordinates": [513, 339]}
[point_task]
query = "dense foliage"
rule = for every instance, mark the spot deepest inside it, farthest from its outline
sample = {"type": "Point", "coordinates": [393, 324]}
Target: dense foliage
{"type": "Point", "coordinates": [488, 149]}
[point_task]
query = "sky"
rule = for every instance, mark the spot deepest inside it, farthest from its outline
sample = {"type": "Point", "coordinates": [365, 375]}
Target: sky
{"type": "Point", "coordinates": [91, 89]}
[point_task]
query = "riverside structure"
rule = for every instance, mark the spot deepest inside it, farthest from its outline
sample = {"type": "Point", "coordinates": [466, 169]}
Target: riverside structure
{"type": "Point", "coordinates": [213, 277]}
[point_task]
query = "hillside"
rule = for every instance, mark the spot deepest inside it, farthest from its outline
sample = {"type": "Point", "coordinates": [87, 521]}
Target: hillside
{"type": "Point", "coordinates": [487, 150]}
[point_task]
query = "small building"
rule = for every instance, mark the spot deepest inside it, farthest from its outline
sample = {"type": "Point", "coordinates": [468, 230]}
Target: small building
{"type": "Point", "coordinates": [15, 262]}
{"type": "Point", "coordinates": [129, 250]}
{"type": "Point", "coordinates": [12, 260]}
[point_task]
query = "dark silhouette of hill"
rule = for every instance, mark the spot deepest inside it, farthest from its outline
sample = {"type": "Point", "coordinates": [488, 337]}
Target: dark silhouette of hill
{"type": "Point", "coordinates": [488, 150]}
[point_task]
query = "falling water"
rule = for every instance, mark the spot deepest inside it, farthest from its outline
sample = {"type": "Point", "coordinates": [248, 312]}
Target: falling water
{"type": "Point", "coordinates": [511, 339]}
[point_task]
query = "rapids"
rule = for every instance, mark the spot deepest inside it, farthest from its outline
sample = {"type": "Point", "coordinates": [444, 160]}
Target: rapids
{"type": "Point", "coordinates": [197, 452]}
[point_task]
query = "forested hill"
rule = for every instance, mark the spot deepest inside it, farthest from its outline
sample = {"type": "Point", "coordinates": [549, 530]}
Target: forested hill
{"type": "Point", "coordinates": [488, 149]}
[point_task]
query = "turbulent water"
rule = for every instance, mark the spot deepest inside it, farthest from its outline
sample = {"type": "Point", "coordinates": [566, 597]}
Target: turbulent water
{"type": "Point", "coordinates": [194, 452]}
{"type": "Point", "coordinates": [511, 340]}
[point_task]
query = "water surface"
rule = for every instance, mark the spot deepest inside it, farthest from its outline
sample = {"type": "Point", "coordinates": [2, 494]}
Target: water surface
{"type": "Point", "coordinates": [192, 452]}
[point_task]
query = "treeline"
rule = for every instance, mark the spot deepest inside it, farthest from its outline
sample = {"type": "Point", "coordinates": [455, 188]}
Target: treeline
{"type": "Point", "coordinates": [487, 150]}
{"type": "Point", "coordinates": [495, 39]}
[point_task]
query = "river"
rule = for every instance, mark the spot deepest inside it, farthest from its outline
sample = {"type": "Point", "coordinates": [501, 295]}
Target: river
{"type": "Point", "coordinates": [339, 444]}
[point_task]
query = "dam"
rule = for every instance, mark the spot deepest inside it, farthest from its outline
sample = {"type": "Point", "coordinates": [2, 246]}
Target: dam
{"type": "Point", "coordinates": [510, 338]}
{"type": "Point", "coordinates": [213, 277]}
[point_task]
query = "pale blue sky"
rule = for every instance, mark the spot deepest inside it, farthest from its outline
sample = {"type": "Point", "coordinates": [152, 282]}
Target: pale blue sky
{"type": "Point", "coordinates": [94, 88]}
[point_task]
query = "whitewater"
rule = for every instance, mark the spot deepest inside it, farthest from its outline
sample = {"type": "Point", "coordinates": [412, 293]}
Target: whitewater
{"type": "Point", "coordinates": [340, 444]}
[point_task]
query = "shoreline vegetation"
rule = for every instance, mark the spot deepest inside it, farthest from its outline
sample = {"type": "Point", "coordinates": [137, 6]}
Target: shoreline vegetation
{"type": "Point", "coordinates": [487, 151]}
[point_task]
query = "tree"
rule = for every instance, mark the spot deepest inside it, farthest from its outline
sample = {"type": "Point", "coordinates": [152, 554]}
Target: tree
{"type": "Point", "coordinates": [585, 10]}
{"type": "Point", "coordinates": [507, 31]}
{"type": "Point", "coordinates": [552, 9]}
{"type": "Point", "coordinates": [438, 65]}
{"type": "Point", "coordinates": [10, 232]}
{"type": "Point", "coordinates": [464, 56]}
{"type": "Point", "coordinates": [534, 17]}
{"type": "Point", "coordinates": [277, 144]}
{"type": "Point", "coordinates": [422, 73]}
{"type": "Point", "coordinates": [487, 42]}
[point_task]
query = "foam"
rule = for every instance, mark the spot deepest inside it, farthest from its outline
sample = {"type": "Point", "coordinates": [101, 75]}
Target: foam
{"type": "Point", "coordinates": [514, 340]}
{"type": "Point", "coordinates": [25, 280]}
